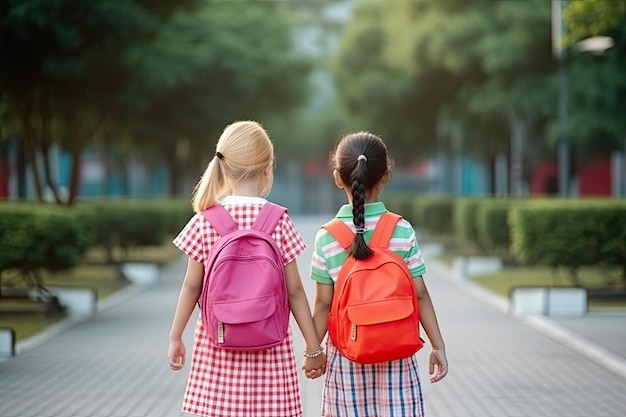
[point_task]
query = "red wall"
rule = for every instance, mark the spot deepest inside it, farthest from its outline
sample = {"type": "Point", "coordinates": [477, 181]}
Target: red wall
{"type": "Point", "coordinates": [594, 179]}
{"type": "Point", "coordinates": [4, 182]}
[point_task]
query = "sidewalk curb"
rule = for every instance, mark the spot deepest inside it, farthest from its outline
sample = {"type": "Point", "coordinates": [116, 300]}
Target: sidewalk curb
{"type": "Point", "coordinates": [542, 324]}
{"type": "Point", "coordinates": [56, 329]}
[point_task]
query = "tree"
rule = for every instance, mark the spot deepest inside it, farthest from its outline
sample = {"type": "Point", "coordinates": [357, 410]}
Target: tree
{"type": "Point", "coordinates": [597, 82]}
{"type": "Point", "coordinates": [377, 93]}
{"type": "Point", "coordinates": [138, 73]}
{"type": "Point", "coordinates": [588, 18]}
{"type": "Point", "coordinates": [470, 62]}
{"type": "Point", "coordinates": [218, 64]}
{"type": "Point", "coordinates": [67, 65]}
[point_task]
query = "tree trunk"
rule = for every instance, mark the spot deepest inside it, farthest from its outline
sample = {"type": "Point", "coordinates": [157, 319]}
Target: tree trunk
{"type": "Point", "coordinates": [99, 137]}
{"type": "Point", "coordinates": [46, 141]}
{"type": "Point", "coordinates": [76, 141]}
{"type": "Point", "coordinates": [174, 173]}
{"type": "Point", "coordinates": [24, 115]}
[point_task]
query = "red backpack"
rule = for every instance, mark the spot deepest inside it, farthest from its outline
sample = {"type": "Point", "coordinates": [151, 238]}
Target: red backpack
{"type": "Point", "coordinates": [244, 303]}
{"type": "Point", "coordinates": [374, 315]}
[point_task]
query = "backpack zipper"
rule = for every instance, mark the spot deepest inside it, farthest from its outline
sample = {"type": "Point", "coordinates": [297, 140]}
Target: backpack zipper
{"type": "Point", "coordinates": [220, 332]}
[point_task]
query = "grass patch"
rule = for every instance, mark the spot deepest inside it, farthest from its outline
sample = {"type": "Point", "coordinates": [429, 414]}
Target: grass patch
{"type": "Point", "coordinates": [592, 278]}
{"type": "Point", "coordinates": [104, 278]}
{"type": "Point", "coordinates": [452, 247]}
{"type": "Point", "coordinates": [157, 254]}
{"type": "Point", "coordinates": [94, 272]}
{"type": "Point", "coordinates": [26, 325]}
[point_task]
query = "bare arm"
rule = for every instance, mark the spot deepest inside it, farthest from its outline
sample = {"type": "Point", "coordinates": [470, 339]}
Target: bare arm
{"type": "Point", "coordinates": [428, 318]}
{"type": "Point", "coordinates": [299, 305]}
{"type": "Point", "coordinates": [323, 300]}
{"type": "Point", "coordinates": [187, 299]}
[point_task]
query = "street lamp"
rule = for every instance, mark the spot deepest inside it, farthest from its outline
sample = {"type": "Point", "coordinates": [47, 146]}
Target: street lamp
{"type": "Point", "coordinates": [596, 45]}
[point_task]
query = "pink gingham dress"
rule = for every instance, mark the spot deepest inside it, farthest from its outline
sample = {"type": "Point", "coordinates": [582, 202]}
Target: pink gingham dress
{"type": "Point", "coordinates": [225, 383]}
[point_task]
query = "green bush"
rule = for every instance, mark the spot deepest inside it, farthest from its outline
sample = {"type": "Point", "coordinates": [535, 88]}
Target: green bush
{"type": "Point", "coordinates": [433, 214]}
{"type": "Point", "coordinates": [176, 214]}
{"type": "Point", "coordinates": [569, 233]}
{"type": "Point", "coordinates": [492, 228]}
{"type": "Point", "coordinates": [401, 203]}
{"type": "Point", "coordinates": [464, 219]}
{"type": "Point", "coordinates": [43, 237]}
{"type": "Point", "coordinates": [128, 223]}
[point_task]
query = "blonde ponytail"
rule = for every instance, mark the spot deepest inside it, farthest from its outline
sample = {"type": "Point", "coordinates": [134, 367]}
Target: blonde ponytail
{"type": "Point", "coordinates": [243, 152]}
{"type": "Point", "coordinates": [211, 186]}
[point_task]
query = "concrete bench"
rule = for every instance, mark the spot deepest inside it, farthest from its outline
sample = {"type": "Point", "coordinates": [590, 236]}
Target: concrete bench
{"type": "Point", "coordinates": [78, 301]}
{"type": "Point", "coordinates": [7, 342]}
{"type": "Point", "coordinates": [469, 266]}
{"type": "Point", "coordinates": [141, 273]}
{"type": "Point", "coordinates": [548, 301]}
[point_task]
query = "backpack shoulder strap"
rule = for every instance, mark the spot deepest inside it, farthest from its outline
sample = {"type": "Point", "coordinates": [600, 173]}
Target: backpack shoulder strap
{"type": "Point", "coordinates": [220, 219]}
{"type": "Point", "coordinates": [268, 217]}
{"type": "Point", "coordinates": [341, 232]}
{"type": "Point", "coordinates": [384, 229]}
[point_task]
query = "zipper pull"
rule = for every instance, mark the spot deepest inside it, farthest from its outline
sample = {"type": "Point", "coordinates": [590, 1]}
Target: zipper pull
{"type": "Point", "coordinates": [220, 332]}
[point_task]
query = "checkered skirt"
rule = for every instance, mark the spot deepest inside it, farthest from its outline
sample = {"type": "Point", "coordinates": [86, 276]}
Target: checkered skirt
{"type": "Point", "coordinates": [383, 389]}
{"type": "Point", "coordinates": [225, 383]}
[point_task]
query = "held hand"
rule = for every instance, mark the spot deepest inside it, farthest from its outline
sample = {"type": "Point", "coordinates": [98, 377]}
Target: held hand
{"type": "Point", "coordinates": [438, 365]}
{"type": "Point", "coordinates": [314, 367]}
{"type": "Point", "coordinates": [176, 355]}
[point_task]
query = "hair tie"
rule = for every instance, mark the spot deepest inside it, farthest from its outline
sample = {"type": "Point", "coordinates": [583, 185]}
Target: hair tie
{"type": "Point", "coordinates": [362, 158]}
{"type": "Point", "coordinates": [219, 155]}
{"type": "Point", "coordinates": [360, 230]}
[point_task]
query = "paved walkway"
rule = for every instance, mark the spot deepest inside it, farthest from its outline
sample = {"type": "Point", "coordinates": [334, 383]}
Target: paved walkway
{"type": "Point", "coordinates": [115, 364]}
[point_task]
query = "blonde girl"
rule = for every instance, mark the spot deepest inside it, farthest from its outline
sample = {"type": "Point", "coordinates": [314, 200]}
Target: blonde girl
{"type": "Point", "coordinates": [228, 383]}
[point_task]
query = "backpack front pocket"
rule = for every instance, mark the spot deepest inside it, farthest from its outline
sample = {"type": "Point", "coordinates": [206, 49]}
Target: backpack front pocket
{"type": "Point", "coordinates": [239, 325]}
{"type": "Point", "coordinates": [372, 327]}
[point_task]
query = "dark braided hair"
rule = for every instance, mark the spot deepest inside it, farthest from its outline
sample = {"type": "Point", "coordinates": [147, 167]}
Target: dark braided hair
{"type": "Point", "coordinates": [362, 174]}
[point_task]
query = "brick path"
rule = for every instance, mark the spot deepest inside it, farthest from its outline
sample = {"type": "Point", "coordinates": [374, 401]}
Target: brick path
{"type": "Point", "coordinates": [115, 364]}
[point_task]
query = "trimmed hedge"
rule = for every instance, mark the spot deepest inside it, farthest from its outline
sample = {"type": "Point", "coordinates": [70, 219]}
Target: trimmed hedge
{"type": "Point", "coordinates": [464, 219]}
{"type": "Point", "coordinates": [434, 214]}
{"type": "Point", "coordinates": [402, 204]}
{"type": "Point", "coordinates": [492, 228]}
{"type": "Point", "coordinates": [569, 233]}
{"type": "Point", "coordinates": [43, 237]}
{"type": "Point", "coordinates": [35, 237]}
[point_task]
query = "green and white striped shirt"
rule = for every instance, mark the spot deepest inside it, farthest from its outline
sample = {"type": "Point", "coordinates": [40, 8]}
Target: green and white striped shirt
{"type": "Point", "coordinates": [329, 256]}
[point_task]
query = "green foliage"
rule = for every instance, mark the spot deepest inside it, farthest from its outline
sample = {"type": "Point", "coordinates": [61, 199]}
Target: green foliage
{"type": "Point", "coordinates": [128, 223]}
{"type": "Point", "coordinates": [571, 233]}
{"type": "Point", "coordinates": [402, 204]}
{"type": "Point", "coordinates": [376, 93]}
{"type": "Point", "coordinates": [598, 88]}
{"type": "Point", "coordinates": [592, 17]}
{"type": "Point", "coordinates": [433, 214]}
{"type": "Point", "coordinates": [137, 73]}
{"type": "Point", "coordinates": [404, 66]}
{"type": "Point", "coordinates": [464, 219]}
{"type": "Point", "coordinates": [42, 238]}
{"type": "Point", "coordinates": [492, 229]}
{"type": "Point", "coordinates": [51, 238]}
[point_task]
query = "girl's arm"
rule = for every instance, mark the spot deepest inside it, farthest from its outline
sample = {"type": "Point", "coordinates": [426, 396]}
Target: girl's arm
{"type": "Point", "coordinates": [323, 300]}
{"type": "Point", "coordinates": [299, 305]}
{"type": "Point", "coordinates": [187, 299]}
{"type": "Point", "coordinates": [428, 318]}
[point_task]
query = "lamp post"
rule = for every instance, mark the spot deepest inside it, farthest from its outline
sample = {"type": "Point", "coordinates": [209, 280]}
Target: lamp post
{"type": "Point", "coordinates": [596, 45]}
{"type": "Point", "coordinates": [559, 52]}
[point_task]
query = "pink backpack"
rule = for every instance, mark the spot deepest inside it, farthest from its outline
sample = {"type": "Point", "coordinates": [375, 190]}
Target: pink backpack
{"type": "Point", "coordinates": [244, 302]}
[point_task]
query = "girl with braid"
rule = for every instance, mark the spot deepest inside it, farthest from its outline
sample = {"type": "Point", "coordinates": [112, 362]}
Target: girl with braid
{"type": "Point", "coordinates": [361, 166]}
